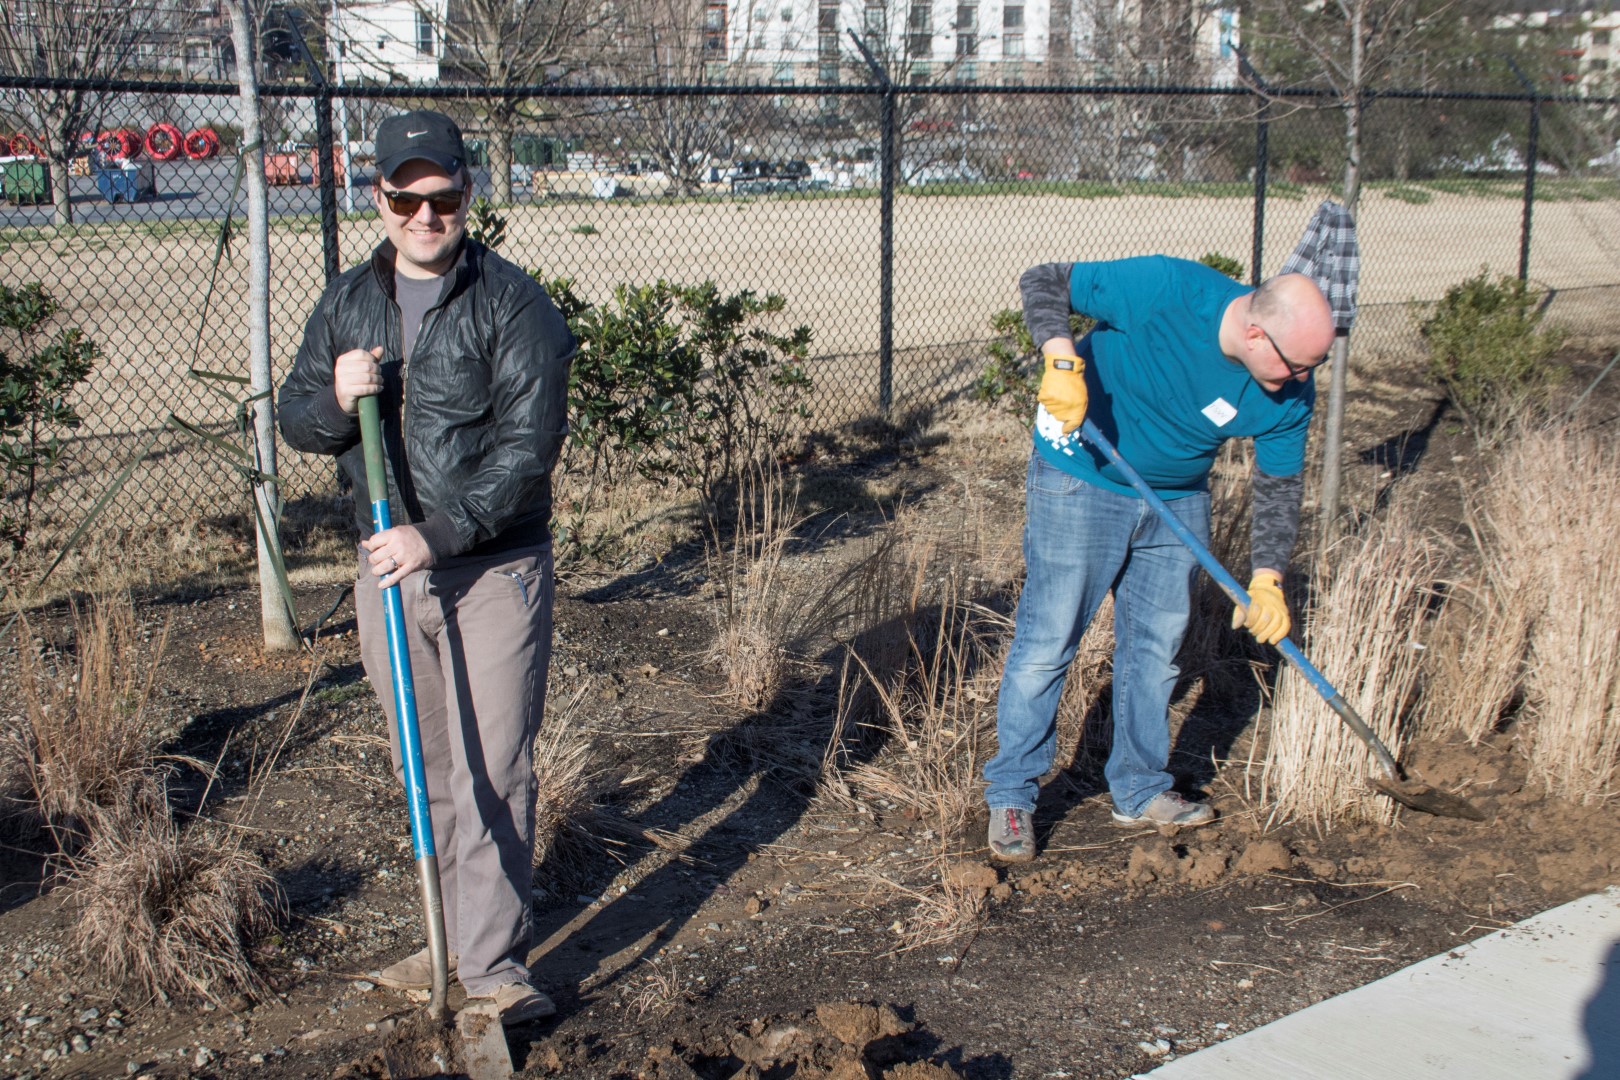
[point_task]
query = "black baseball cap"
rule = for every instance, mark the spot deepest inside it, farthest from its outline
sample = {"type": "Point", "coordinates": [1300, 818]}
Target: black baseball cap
{"type": "Point", "coordinates": [421, 134]}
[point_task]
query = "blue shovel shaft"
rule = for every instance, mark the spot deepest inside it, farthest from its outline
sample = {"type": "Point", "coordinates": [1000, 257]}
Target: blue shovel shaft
{"type": "Point", "coordinates": [1240, 596]}
{"type": "Point", "coordinates": [410, 735]}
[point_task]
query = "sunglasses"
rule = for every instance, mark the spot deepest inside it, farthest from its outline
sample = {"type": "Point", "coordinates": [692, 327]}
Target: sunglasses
{"type": "Point", "coordinates": [407, 203]}
{"type": "Point", "coordinates": [1294, 370]}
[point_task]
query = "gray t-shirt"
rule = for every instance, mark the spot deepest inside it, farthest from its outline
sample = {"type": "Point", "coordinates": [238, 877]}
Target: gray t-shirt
{"type": "Point", "coordinates": [415, 296]}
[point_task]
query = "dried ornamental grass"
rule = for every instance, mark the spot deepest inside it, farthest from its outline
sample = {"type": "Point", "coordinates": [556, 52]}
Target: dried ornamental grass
{"type": "Point", "coordinates": [936, 712]}
{"type": "Point", "coordinates": [171, 913]}
{"type": "Point", "coordinates": [1474, 666]}
{"type": "Point", "coordinates": [1362, 632]}
{"type": "Point", "coordinates": [573, 824]}
{"type": "Point", "coordinates": [84, 735]}
{"type": "Point", "coordinates": [1565, 487]}
{"type": "Point", "coordinates": [758, 613]}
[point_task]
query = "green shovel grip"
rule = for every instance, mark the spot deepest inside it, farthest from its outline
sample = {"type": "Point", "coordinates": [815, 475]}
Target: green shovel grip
{"type": "Point", "coordinates": [371, 442]}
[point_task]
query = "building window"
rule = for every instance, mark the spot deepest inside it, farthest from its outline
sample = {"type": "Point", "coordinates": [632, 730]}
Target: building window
{"type": "Point", "coordinates": [827, 46]}
{"type": "Point", "coordinates": [1012, 17]}
{"type": "Point", "coordinates": [782, 74]}
{"type": "Point", "coordinates": [1598, 65]}
{"type": "Point", "coordinates": [920, 28]}
{"type": "Point", "coordinates": [1600, 37]}
{"type": "Point", "coordinates": [1012, 43]}
{"type": "Point", "coordinates": [827, 18]}
{"type": "Point", "coordinates": [967, 17]}
{"type": "Point", "coordinates": [424, 34]}
{"type": "Point", "coordinates": [827, 74]}
{"type": "Point", "coordinates": [875, 21]}
{"type": "Point", "coordinates": [967, 71]}
{"type": "Point", "coordinates": [967, 44]}
{"type": "Point", "coordinates": [921, 73]}
{"type": "Point", "coordinates": [714, 27]}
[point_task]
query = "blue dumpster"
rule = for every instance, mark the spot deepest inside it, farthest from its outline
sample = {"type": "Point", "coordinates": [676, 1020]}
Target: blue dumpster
{"type": "Point", "coordinates": [127, 183]}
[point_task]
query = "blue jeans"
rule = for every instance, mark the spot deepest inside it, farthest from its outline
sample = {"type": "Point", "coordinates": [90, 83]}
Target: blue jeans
{"type": "Point", "coordinates": [1080, 541]}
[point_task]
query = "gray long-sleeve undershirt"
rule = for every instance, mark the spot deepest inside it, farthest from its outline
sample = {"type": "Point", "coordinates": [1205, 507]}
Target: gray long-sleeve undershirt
{"type": "Point", "coordinates": [1045, 290]}
{"type": "Point", "coordinates": [1274, 520]}
{"type": "Point", "coordinates": [1274, 524]}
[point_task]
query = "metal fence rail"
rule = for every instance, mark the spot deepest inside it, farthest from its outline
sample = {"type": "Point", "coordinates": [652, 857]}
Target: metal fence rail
{"type": "Point", "coordinates": [895, 221]}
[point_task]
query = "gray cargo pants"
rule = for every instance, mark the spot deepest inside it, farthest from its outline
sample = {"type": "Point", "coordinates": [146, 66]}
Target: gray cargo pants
{"type": "Point", "coordinates": [479, 633]}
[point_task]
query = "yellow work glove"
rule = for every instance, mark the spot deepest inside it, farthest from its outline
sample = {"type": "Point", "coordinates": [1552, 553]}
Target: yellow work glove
{"type": "Point", "coordinates": [1267, 614]}
{"type": "Point", "coordinates": [1063, 390]}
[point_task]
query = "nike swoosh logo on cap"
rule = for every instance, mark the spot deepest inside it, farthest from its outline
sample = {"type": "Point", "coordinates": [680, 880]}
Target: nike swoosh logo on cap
{"type": "Point", "coordinates": [414, 134]}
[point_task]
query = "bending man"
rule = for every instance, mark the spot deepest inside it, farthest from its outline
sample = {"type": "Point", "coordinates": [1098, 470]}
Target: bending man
{"type": "Point", "coordinates": [1181, 359]}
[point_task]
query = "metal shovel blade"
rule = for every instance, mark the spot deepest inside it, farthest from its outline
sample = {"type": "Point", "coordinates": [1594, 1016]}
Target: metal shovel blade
{"type": "Point", "coordinates": [1426, 798]}
{"type": "Point", "coordinates": [484, 1053]}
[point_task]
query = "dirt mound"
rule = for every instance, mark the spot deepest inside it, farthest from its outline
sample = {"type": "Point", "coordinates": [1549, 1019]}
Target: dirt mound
{"type": "Point", "coordinates": [846, 1040]}
{"type": "Point", "coordinates": [413, 1046]}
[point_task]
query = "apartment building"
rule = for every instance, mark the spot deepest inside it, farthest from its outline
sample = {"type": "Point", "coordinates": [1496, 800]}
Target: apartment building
{"type": "Point", "coordinates": [988, 41]}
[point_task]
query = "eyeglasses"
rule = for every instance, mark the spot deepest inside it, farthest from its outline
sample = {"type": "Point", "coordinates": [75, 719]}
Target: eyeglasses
{"type": "Point", "coordinates": [407, 203]}
{"type": "Point", "coordinates": [1294, 370]}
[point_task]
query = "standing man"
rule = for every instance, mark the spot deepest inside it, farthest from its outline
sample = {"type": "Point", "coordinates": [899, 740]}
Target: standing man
{"type": "Point", "coordinates": [1182, 358]}
{"type": "Point", "coordinates": [470, 359]}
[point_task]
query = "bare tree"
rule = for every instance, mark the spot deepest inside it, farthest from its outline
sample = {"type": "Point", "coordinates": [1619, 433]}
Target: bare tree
{"type": "Point", "coordinates": [66, 39]}
{"type": "Point", "coordinates": [1350, 46]}
{"type": "Point", "coordinates": [510, 43]}
{"type": "Point", "coordinates": [274, 606]}
{"type": "Point", "coordinates": [670, 42]}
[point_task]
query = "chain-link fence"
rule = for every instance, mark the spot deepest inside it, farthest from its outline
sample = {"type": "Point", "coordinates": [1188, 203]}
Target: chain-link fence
{"type": "Point", "coordinates": [895, 221]}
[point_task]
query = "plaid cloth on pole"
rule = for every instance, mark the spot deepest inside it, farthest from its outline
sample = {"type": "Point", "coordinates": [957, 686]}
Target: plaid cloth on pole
{"type": "Point", "coordinates": [1328, 253]}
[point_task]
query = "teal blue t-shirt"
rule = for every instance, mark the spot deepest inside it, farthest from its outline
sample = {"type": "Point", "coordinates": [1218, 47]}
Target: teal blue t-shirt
{"type": "Point", "coordinates": [1159, 386]}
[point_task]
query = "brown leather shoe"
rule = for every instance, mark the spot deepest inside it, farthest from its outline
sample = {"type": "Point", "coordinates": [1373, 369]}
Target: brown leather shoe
{"type": "Point", "coordinates": [517, 1003]}
{"type": "Point", "coordinates": [415, 972]}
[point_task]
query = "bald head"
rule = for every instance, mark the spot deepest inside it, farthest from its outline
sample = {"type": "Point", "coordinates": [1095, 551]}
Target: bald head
{"type": "Point", "coordinates": [1295, 313]}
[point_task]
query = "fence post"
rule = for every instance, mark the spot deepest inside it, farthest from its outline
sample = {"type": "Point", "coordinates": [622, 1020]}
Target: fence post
{"type": "Point", "coordinates": [888, 168]}
{"type": "Point", "coordinates": [1529, 188]}
{"type": "Point", "coordinates": [1262, 152]}
{"type": "Point", "coordinates": [325, 175]}
{"type": "Point", "coordinates": [1529, 169]}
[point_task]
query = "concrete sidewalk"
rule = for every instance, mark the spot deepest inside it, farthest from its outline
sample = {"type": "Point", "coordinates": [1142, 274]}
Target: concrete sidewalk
{"type": "Point", "coordinates": [1537, 1001]}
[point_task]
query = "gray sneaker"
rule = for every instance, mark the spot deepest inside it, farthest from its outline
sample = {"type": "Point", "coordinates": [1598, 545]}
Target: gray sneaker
{"type": "Point", "coordinates": [1168, 808]}
{"type": "Point", "coordinates": [1012, 835]}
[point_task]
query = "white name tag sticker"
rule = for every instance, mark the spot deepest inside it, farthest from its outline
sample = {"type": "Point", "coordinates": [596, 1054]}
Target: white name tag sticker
{"type": "Point", "coordinates": [1220, 412]}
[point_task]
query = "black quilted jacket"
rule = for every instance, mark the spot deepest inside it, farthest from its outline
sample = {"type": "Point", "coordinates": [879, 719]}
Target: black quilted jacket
{"type": "Point", "coordinates": [484, 399]}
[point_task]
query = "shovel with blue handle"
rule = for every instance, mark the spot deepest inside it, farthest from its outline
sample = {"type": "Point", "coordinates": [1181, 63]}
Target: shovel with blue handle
{"type": "Point", "coordinates": [483, 1051]}
{"type": "Point", "coordinates": [1389, 781]}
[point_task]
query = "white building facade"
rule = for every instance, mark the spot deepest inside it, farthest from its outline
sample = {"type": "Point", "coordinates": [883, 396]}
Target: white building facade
{"type": "Point", "coordinates": [988, 41]}
{"type": "Point", "coordinates": [387, 41]}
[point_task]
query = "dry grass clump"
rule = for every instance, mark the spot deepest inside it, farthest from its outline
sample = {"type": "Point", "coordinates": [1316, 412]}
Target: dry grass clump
{"type": "Point", "coordinates": [1362, 631]}
{"type": "Point", "coordinates": [916, 700]}
{"type": "Point", "coordinates": [758, 611]}
{"type": "Point", "coordinates": [84, 735]}
{"type": "Point", "coordinates": [1554, 514]}
{"type": "Point", "coordinates": [170, 913]}
{"type": "Point", "coordinates": [943, 910]}
{"type": "Point", "coordinates": [1475, 664]}
{"type": "Point", "coordinates": [1533, 637]}
{"type": "Point", "coordinates": [574, 826]}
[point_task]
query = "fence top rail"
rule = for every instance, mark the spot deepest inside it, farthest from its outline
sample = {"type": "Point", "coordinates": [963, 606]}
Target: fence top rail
{"type": "Point", "coordinates": [470, 91]}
